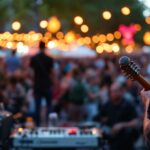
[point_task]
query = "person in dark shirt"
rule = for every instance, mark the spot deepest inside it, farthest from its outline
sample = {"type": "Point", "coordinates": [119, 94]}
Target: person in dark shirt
{"type": "Point", "coordinates": [146, 122]}
{"type": "Point", "coordinates": [120, 117]}
{"type": "Point", "coordinates": [42, 66]}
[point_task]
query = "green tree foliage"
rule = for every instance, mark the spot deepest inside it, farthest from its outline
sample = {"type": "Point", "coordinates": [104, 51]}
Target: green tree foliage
{"type": "Point", "coordinates": [30, 12]}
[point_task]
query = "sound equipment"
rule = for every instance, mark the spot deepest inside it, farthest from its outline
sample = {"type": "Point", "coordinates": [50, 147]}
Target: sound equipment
{"type": "Point", "coordinates": [56, 138]}
{"type": "Point", "coordinates": [131, 70]}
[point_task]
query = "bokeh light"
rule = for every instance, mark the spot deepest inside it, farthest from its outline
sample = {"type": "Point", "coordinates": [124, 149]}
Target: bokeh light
{"type": "Point", "coordinates": [23, 50]}
{"type": "Point", "coordinates": [43, 24]}
{"type": "Point", "coordinates": [51, 44]}
{"type": "Point", "coordinates": [107, 15]}
{"type": "Point", "coordinates": [87, 40]}
{"type": "Point", "coordinates": [110, 37]}
{"type": "Point", "coordinates": [146, 38]}
{"type": "Point", "coordinates": [53, 24]}
{"type": "Point", "coordinates": [106, 47]}
{"type": "Point", "coordinates": [129, 49]}
{"type": "Point", "coordinates": [115, 47]}
{"type": "Point", "coordinates": [9, 45]}
{"type": "Point", "coordinates": [19, 45]}
{"type": "Point", "coordinates": [147, 20]}
{"type": "Point", "coordinates": [16, 25]}
{"type": "Point", "coordinates": [70, 37]}
{"type": "Point", "coordinates": [60, 35]}
{"type": "Point", "coordinates": [95, 39]}
{"type": "Point", "coordinates": [117, 34]}
{"type": "Point", "coordinates": [102, 38]}
{"type": "Point", "coordinates": [99, 49]}
{"type": "Point", "coordinates": [78, 20]}
{"type": "Point", "coordinates": [84, 28]}
{"type": "Point", "coordinates": [125, 11]}
{"type": "Point", "coordinates": [137, 27]}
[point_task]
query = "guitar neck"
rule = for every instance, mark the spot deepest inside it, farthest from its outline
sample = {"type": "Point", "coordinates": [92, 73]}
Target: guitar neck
{"type": "Point", "coordinates": [143, 82]}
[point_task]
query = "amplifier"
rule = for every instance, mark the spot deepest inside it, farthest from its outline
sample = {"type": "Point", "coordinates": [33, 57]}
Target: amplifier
{"type": "Point", "coordinates": [56, 138]}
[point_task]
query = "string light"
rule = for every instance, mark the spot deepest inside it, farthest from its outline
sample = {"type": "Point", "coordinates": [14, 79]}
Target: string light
{"type": "Point", "coordinates": [16, 25]}
{"type": "Point", "coordinates": [129, 49]}
{"type": "Point", "coordinates": [19, 45]}
{"type": "Point", "coordinates": [146, 38]}
{"type": "Point", "coordinates": [95, 39]}
{"type": "Point", "coordinates": [107, 15]}
{"type": "Point", "coordinates": [87, 40]}
{"type": "Point", "coordinates": [102, 38]}
{"type": "Point", "coordinates": [53, 24]}
{"type": "Point", "coordinates": [107, 47]}
{"type": "Point", "coordinates": [125, 11]}
{"type": "Point", "coordinates": [110, 37]}
{"type": "Point", "coordinates": [84, 28]}
{"type": "Point", "coordinates": [51, 44]}
{"type": "Point", "coordinates": [99, 49]}
{"type": "Point", "coordinates": [117, 34]}
{"type": "Point", "coordinates": [70, 37]}
{"type": "Point", "coordinates": [78, 20]}
{"type": "Point", "coordinates": [115, 47]}
{"type": "Point", "coordinates": [147, 20]}
{"type": "Point", "coordinates": [9, 45]}
{"type": "Point", "coordinates": [43, 24]}
{"type": "Point", "coordinates": [60, 35]}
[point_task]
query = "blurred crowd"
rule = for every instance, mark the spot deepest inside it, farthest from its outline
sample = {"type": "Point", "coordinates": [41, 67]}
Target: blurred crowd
{"type": "Point", "coordinates": [80, 90]}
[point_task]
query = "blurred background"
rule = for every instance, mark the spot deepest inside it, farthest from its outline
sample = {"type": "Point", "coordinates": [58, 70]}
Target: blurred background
{"type": "Point", "coordinates": [84, 40]}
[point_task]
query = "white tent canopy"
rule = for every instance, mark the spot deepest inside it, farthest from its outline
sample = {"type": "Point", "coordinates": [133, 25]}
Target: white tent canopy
{"type": "Point", "coordinates": [79, 52]}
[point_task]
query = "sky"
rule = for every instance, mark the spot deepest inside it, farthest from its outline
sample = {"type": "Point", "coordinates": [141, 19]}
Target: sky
{"type": "Point", "coordinates": [146, 12]}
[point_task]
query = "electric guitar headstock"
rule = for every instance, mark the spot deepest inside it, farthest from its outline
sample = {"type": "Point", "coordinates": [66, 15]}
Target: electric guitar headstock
{"type": "Point", "coordinates": [132, 71]}
{"type": "Point", "coordinates": [129, 68]}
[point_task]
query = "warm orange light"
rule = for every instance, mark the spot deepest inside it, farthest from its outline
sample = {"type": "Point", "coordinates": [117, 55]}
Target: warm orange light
{"type": "Point", "coordinates": [107, 47]}
{"type": "Point", "coordinates": [87, 40]}
{"type": "Point", "coordinates": [107, 15]}
{"type": "Point", "coordinates": [129, 49]}
{"type": "Point", "coordinates": [138, 27]}
{"type": "Point", "coordinates": [48, 35]}
{"type": "Point", "coordinates": [84, 28]}
{"type": "Point", "coordinates": [16, 25]}
{"type": "Point", "coordinates": [43, 24]}
{"type": "Point", "coordinates": [102, 38]}
{"type": "Point", "coordinates": [115, 47]}
{"type": "Point", "coordinates": [60, 35]}
{"type": "Point", "coordinates": [53, 24]}
{"type": "Point", "coordinates": [9, 45]}
{"type": "Point", "coordinates": [20, 129]}
{"type": "Point", "coordinates": [146, 38]}
{"type": "Point", "coordinates": [95, 39]}
{"type": "Point", "coordinates": [110, 37]}
{"type": "Point", "coordinates": [81, 41]}
{"type": "Point", "coordinates": [117, 35]}
{"type": "Point", "coordinates": [125, 11]}
{"type": "Point", "coordinates": [78, 20]}
{"type": "Point", "coordinates": [36, 37]}
{"type": "Point", "coordinates": [99, 49]}
{"type": "Point", "coordinates": [147, 20]}
{"type": "Point", "coordinates": [70, 37]}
